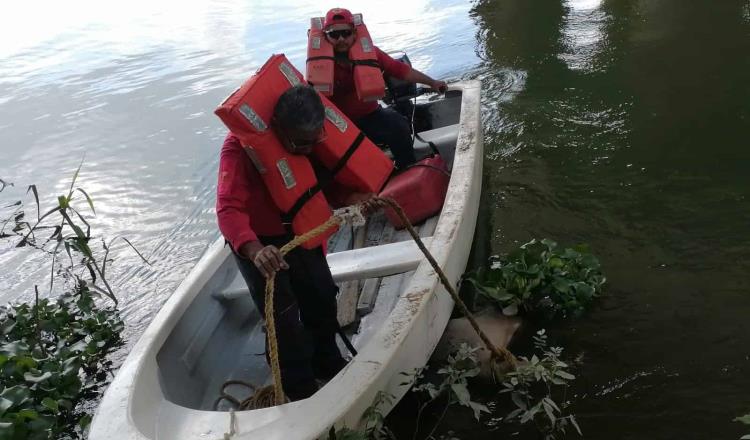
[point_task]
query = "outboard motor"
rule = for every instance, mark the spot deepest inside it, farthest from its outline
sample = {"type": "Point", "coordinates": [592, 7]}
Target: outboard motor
{"type": "Point", "coordinates": [398, 90]}
{"type": "Point", "coordinates": [399, 95]}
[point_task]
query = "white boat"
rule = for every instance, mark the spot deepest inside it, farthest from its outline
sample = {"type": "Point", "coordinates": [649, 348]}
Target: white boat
{"type": "Point", "coordinates": [209, 330]}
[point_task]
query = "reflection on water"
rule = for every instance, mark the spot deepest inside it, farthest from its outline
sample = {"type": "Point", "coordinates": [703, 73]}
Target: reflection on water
{"type": "Point", "coordinates": [583, 33]}
{"type": "Point", "coordinates": [630, 134]}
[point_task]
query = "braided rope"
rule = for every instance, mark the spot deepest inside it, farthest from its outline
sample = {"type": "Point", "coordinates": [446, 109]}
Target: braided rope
{"type": "Point", "coordinates": [273, 348]}
{"type": "Point", "coordinates": [261, 397]}
{"type": "Point", "coordinates": [500, 354]}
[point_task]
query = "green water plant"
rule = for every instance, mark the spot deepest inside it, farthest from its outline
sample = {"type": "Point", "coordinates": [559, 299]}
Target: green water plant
{"type": "Point", "coordinates": [70, 232]}
{"type": "Point", "coordinates": [537, 389]}
{"type": "Point", "coordinates": [540, 277]}
{"type": "Point", "coordinates": [448, 385]}
{"type": "Point", "coordinates": [453, 380]}
{"type": "Point", "coordinates": [53, 358]}
{"type": "Point", "coordinates": [746, 420]}
{"type": "Point", "coordinates": [373, 423]}
{"type": "Point", "coordinates": [54, 351]}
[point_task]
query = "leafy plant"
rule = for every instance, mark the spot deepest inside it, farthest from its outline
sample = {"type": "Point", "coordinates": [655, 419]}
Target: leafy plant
{"type": "Point", "coordinates": [53, 358]}
{"type": "Point", "coordinates": [70, 232]}
{"type": "Point", "coordinates": [373, 423]}
{"type": "Point", "coordinates": [452, 383]}
{"type": "Point", "coordinates": [53, 352]}
{"type": "Point", "coordinates": [539, 277]}
{"type": "Point", "coordinates": [746, 420]}
{"type": "Point", "coordinates": [531, 388]}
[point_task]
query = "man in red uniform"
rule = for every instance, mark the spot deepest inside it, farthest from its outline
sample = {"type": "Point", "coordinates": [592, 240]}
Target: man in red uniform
{"type": "Point", "coordinates": [305, 295]}
{"type": "Point", "coordinates": [383, 126]}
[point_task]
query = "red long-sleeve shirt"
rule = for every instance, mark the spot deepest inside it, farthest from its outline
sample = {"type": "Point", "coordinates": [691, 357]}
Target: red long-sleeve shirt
{"type": "Point", "coordinates": [345, 94]}
{"type": "Point", "coordinates": [244, 207]}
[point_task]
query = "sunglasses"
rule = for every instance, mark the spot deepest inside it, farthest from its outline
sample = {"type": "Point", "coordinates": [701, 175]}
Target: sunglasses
{"type": "Point", "coordinates": [335, 35]}
{"type": "Point", "coordinates": [305, 145]}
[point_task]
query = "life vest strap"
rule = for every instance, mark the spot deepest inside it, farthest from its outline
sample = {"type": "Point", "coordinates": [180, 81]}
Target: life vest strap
{"type": "Point", "coordinates": [288, 216]}
{"type": "Point", "coordinates": [321, 57]}
{"type": "Point", "coordinates": [368, 63]}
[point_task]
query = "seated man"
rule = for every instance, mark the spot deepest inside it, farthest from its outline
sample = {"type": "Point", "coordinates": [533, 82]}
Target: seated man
{"type": "Point", "coordinates": [381, 125]}
{"type": "Point", "coordinates": [305, 295]}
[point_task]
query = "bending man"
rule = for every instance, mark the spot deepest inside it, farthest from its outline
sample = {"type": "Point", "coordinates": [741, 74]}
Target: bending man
{"type": "Point", "coordinates": [305, 295]}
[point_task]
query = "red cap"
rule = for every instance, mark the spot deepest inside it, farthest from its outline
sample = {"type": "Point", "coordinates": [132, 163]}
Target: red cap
{"type": "Point", "coordinates": [338, 16]}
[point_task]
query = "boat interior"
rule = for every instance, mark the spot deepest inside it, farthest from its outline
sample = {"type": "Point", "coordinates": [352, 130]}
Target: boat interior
{"type": "Point", "coordinates": [220, 336]}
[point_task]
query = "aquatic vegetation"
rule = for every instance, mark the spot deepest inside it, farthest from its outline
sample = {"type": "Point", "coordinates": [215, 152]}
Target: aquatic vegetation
{"type": "Point", "coordinates": [536, 391]}
{"type": "Point", "coordinates": [451, 383]}
{"type": "Point", "coordinates": [71, 232]}
{"type": "Point", "coordinates": [533, 386]}
{"type": "Point", "coordinates": [539, 277]}
{"type": "Point", "coordinates": [746, 420]}
{"type": "Point", "coordinates": [448, 384]}
{"type": "Point", "coordinates": [53, 358]}
{"type": "Point", "coordinates": [53, 351]}
{"type": "Point", "coordinates": [373, 423]}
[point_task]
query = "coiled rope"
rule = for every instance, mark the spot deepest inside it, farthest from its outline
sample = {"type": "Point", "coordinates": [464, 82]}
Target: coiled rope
{"type": "Point", "coordinates": [274, 394]}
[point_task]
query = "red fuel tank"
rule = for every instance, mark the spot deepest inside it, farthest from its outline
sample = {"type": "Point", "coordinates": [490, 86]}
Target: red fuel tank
{"type": "Point", "coordinates": [419, 190]}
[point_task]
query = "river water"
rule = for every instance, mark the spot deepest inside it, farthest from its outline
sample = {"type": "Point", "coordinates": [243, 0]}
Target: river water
{"type": "Point", "coordinates": [622, 124]}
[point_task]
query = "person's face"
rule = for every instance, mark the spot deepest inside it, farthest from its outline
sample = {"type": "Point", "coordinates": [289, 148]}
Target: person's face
{"type": "Point", "coordinates": [341, 36]}
{"type": "Point", "coordinates": [302, 142]}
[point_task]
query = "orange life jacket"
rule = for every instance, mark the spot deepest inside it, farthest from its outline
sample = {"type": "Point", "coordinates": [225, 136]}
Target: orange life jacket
{"type": "Point", "coordinates": [368, 78]}
{"type": "Point", "coordinates": [352, 159]}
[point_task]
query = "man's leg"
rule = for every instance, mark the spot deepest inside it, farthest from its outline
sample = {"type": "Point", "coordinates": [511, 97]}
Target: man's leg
{"type": "Point", "coordinates": [293, 340]}
{"type": "Point", "coordinates": [387, 127]}
{"type": "Point", "coordinates": [316, 296]}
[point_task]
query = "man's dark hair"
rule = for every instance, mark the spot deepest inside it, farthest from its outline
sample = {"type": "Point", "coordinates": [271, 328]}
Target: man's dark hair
{"type": "Point", "coordinates": [299, 109]}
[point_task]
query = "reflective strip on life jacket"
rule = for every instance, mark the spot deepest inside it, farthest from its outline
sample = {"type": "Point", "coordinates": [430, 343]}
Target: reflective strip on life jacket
{"type": "Point", "coordinates": [368, 78]}
{"type": "Point", "coordinates": [352, 159]}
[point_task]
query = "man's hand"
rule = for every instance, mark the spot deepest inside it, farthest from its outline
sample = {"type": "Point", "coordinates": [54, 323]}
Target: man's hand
{"type": "Point", "coordinates": [267, 259]}
{"type": "Point", "coordinates": [440, 86]}
{"type": "Point", "coordinates": [416, 76]}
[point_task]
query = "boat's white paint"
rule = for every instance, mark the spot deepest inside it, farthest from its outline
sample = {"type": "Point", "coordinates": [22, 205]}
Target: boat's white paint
{"type": "Point", "coordinates": [377, 261]}
{"type": "Point", "coordinates": [134, 406]}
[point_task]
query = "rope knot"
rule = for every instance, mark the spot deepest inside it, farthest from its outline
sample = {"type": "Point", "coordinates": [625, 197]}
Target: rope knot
{"type": "Point", "coordinates": [351, 214]}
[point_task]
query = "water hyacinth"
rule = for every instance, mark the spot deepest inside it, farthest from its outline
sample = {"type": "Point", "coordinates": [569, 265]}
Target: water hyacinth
{"type": "Point", "coordinates": [53, 351]}
{"type": "Point", "coordinates": [540, 277]}
{"type": "Point", "coordinates": [52, 358]}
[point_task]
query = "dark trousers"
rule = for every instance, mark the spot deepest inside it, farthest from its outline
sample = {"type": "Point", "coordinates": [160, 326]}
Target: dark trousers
{"type": "Point", "coordinates": [305, 315]}
{"type": "Point", "coordinates": [387, 127]}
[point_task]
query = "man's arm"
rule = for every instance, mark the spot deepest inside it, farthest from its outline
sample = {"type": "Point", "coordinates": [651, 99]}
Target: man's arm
{"type": "Point", "coordinates": [416, 76]}
{"type": "Point", "coordinates": [232, 210]}
{"type": "Point", "coordinates": [402, 71]}
{"type": "Point", "coordinates": [233, 195]}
